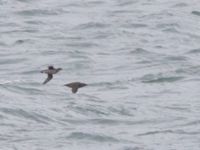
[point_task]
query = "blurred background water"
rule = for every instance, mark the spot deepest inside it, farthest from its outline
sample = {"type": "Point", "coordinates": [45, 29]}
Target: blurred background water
{"type": "Point", "coordinates": [139, 57]}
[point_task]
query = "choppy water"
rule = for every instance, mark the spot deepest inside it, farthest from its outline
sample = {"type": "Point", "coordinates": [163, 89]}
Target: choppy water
{"type": "Point", "coordinates": [140, 57]}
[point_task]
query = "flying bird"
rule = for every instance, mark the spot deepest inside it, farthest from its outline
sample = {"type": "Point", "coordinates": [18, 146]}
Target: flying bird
{"type": "Point", "coordinates": [75, 86]}
{"type": "Point", "coordinates": [50, 71]}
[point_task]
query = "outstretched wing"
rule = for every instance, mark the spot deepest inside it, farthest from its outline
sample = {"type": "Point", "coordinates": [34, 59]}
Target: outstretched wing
{"type": "Point", "coordinates": [42, 71]}
{"type": "Point", "coordinates": [50, 76]}
{"type": "Point", "coordinates": [82, 85]}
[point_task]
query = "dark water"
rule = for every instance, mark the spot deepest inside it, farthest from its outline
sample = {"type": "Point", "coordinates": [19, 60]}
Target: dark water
{"type": "Point", "coordinates": [139, 57]}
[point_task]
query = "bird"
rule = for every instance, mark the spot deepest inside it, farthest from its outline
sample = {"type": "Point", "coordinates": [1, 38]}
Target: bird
{"type": "Point", "coordinates": [50, 71]}
{"type": "Point", "coordinates": [75, 86]}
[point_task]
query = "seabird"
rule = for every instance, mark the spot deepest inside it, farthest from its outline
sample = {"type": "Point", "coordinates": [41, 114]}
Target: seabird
{"type": "Point", "coordinates": [75, 86]}
{"type": "Point", "coordinates": [50, 71]}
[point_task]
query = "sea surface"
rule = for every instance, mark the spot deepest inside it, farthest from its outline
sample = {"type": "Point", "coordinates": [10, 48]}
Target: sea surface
{"type": "Point", "coordinates": [140, 59]}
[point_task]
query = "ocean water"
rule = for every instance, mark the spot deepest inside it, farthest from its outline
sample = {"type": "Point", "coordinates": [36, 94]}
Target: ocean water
{"type": "Point", "coordinates": [139, 57]}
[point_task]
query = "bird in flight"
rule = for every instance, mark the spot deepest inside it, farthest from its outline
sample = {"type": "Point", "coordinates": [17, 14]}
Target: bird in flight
{"type": "Point", "coordinates": [50, 71]}
{"type": "Point", "coordinates": [75, 86]}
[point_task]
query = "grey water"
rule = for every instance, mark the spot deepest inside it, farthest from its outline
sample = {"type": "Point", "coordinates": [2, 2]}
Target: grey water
{"type": "Point", "coordinates": [139, 57]}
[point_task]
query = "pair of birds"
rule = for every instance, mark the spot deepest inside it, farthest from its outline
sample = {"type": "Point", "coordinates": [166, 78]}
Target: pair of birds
{"type": "Point", "coordinates": [51, 71]}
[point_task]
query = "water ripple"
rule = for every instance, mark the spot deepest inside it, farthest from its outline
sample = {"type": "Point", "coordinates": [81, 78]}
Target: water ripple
{"type": "Point", "coordinates": [91, 25]}
{"type": "Point", "coordinates": [197, 13]}
{"type": "Point", "coordinates": [160, 79]}
{"type": "Point", "coordinates": [36, 12]}
{"type": "Point", "coordinates": [93, 137]}
{"type": "Point", "coordinates": [169, 132]}
{"type": "Point", "coordinates": [21, 113]}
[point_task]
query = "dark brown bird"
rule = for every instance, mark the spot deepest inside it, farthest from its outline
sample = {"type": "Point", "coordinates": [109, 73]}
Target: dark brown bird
{"type": "Point", "coordinates": [50, 71]}
{"type": "Point", "coordinates": [75, 86]}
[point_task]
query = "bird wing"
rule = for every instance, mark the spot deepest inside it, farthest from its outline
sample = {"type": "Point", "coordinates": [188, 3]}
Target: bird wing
{"type": "Point", "coordinates": [82, 85]}
{"type": "Point", "coordinates": [50, 76]}
{"type": "Point", "coordinates": [71, 85]}
{"type": "Point", "coordinates": [42, 71]}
